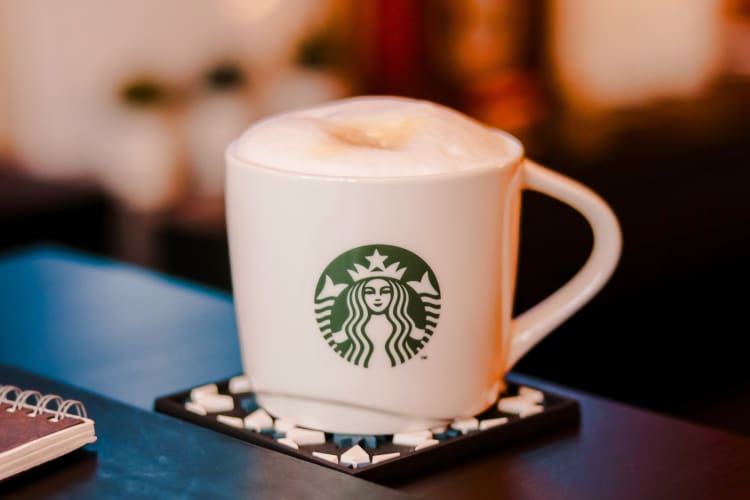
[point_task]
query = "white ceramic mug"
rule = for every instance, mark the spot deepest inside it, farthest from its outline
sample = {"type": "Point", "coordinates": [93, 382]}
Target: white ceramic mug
{"type": "Point", "coordinates": [380, 305]}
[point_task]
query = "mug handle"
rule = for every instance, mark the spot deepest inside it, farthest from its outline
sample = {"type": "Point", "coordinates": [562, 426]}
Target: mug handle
{"type": "Point", "coordinates": [533, 325]}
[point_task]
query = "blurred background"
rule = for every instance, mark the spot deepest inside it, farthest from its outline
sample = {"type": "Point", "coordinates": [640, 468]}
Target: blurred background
{"type": "Point", "coordinates": [114, 117]}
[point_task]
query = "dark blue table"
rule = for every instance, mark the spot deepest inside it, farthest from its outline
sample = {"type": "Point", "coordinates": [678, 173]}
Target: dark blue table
{"type": "Point", "coordinates": [112, 328]}
{"type": "Point", "coordinates": [146, 455]}
{"type": "Point", "coordinates": [134, 335]}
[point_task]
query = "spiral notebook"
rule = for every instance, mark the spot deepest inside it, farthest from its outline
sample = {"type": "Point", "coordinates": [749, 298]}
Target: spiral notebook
{"type": "Point", "coordinates": [36, 428]}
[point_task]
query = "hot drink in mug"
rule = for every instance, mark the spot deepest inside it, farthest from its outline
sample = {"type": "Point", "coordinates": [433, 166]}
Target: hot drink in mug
{"type": "Point", "coordinates": [374, 246]}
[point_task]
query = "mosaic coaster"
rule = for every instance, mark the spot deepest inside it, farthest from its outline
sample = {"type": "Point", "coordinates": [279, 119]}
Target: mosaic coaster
{"type": "Point", "coordinates": [228, 406]}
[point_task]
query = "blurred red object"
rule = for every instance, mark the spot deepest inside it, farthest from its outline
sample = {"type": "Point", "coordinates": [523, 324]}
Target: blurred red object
{"type": "Point", "coordinates": [391, 48]}
{"type": "Point", "coordinates": [511, 100]}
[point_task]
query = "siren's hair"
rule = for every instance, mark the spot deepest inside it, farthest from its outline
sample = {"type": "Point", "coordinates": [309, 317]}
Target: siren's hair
{"type": "Point", "coordinates": [403, 324]}
{"type": "Point", "coordinates": [361, 347]}
{"type": "Point", "coordinates": [354, 325]}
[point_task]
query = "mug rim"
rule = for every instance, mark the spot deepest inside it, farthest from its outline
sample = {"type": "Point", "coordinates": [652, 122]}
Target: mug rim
{"type": "Point", "coordinates": [514, 159]}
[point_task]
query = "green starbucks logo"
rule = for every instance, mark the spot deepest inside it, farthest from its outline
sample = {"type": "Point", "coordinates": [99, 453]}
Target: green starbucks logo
{"type": "Point", "coordinates": [377, 305]}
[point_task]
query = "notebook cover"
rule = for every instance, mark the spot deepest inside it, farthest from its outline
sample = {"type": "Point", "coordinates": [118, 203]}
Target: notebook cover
{"type": "Point", "coordinates": [18, 428]}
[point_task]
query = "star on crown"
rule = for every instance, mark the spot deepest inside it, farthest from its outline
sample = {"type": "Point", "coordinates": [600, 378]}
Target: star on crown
{"type": "Point", "coordinates": [377, 268]}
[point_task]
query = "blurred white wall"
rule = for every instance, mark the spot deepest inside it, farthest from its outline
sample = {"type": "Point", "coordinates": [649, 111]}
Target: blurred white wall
{"type": "Point", "coordinates": [618, 53]}
{"type": "Point", "coordinates": [66, 60]}
{"type": "Point", "coordinates": [4, 117]}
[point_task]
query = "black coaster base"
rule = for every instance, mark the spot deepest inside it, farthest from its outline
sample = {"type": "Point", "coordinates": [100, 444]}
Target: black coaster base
{"type": "Point", "coordinates": [557, 412]}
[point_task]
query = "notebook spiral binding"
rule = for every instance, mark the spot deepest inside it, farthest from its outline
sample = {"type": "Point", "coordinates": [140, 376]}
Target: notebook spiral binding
{"type": "Point", "coordinates": [22, 400]}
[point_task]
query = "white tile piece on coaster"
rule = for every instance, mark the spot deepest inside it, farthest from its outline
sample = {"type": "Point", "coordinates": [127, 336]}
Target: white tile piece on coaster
{"type": "Point", "coordinates": [214, 403]}
{"type": "Point", "coordinates": [305, 437]}
{"type": "Point", "coordinates": [385, 456]}
{"type": "Point", "coordinates": [240, 383]}
{"type": "Point", "coordinates": [531, 394]}
{"type": "Point", "coordinates": [426, 444]}
{"type": "Point", "coordinates": [514, 405]}
{"type": "Point", "coordinates": [231, 421]}
{"type": "Point", "coordinates": [288, 442]}
{"type": "Point", "coordinates": [196, 393]}
{"type": "Point", "coordinates": [439, 430]}
{"type": "Point", "coordinates": [258, 420]}
{"type": "Point", "coordinates": [355, 456]}
{"type": "Point", "coordinates": [465, 425]}
{"type": "Point", "coordinates": [489, 423]}
{"type": "Point", "coordinates": [532, 410]}
{"type": "Point", "coordinates": [281, 425]}
{"type": "Point", "coordinates": [411, 438]}
{"type": "Point", "coordinates": [327, 456]}
{"type": "Point", "coordinates": [195, 408]}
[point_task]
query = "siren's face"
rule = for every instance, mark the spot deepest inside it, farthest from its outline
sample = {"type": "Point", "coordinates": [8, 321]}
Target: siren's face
{"type": "Point", "coordinates": [378, 293]}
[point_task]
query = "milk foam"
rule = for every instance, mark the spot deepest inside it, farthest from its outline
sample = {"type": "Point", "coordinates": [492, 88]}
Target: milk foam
{"type": "Point", "coordinates": [373, 136]}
